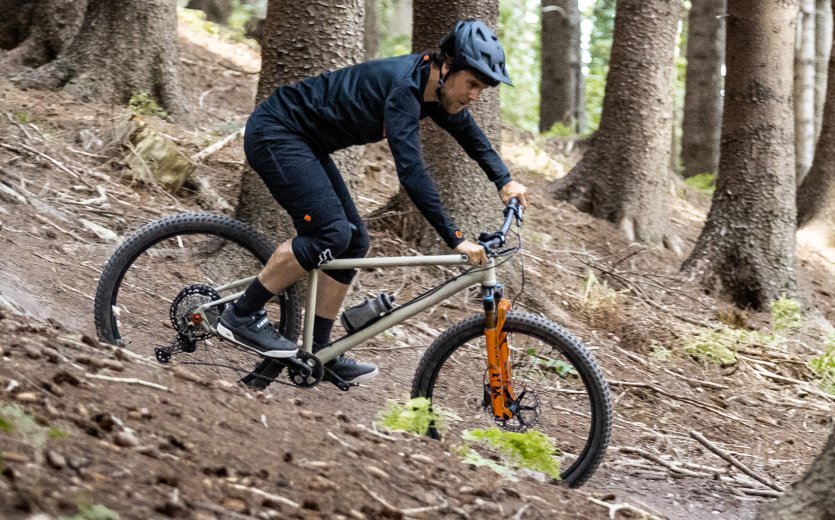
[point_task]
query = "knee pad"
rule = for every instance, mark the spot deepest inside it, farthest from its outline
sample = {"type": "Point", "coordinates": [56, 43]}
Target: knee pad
{"type": "Point", "coordinates": [316, 249]}
{"type": "Point", "coordinates": [357, 248]}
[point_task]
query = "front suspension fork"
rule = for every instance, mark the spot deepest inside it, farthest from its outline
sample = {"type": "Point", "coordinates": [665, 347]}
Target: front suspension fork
{"type": "Point", "coordinates": [498, 354]}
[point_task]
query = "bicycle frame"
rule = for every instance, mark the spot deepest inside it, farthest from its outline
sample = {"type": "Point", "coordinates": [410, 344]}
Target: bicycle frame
{"type": "Point", "coordinates": [485, 276]}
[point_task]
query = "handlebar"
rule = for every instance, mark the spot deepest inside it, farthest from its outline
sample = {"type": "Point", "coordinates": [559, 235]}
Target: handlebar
{"type": "Point", "coordinates": [491, 241]}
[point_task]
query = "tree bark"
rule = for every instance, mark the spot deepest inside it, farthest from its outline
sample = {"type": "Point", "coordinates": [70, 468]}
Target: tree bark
{"type": "Point", "coordinates": [559, 88]}
{"type": "Point", "coordinates": [816, 196]}
{"type": "Point", "coordinates": [36, 31]}
{"type": "Point", "coordinates": [702, 123]}
{"type": "Point", "coordinates": [117, 53]}
{"type": "Point", "coordinates": [467, 195]}
{"type": "Point", "coordinates": [823, 47]}
{"type": "Point", "coordinates": [301, 40]}
{"type": "Point", "coordinates": [804, 89]}
{"type": "Point", "coordinates": [810, 498]}
{"type": "Point", "coordinates": [746, 250]}
{"type": "Point", "coordinates": [623, 176]}
{"type": "Point", "coordinates": [372, 30]}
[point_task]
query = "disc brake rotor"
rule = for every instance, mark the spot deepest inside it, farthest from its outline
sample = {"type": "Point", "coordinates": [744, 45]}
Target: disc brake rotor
{"type": "Point", "coordinates": [525, 409]}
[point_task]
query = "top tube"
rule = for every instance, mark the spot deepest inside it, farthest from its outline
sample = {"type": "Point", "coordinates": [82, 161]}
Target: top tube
{"type": "Point", "coordinates": [394, 261]}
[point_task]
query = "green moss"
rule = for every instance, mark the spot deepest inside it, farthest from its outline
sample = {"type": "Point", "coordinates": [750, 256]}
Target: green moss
{"type": "Point", "coordinates": [824, 365]}
{"type": "Point", "coordinates": [786, 314]}
{"type": "Point", "coordinates": [144, 104]}
{"type": "Point", "coordinates": [531, 449]}
{"type": "Point", "coordinates": [415, 416]}
{"type": "Point", "coordinates": [703, 182]}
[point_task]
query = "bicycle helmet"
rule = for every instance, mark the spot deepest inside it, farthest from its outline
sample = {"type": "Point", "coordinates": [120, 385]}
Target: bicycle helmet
{"type": "Point", "coordinates": [474, 45]}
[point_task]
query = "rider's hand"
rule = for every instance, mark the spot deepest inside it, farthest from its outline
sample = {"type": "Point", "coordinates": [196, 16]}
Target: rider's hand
{"type": "Point", "coordinates": [514, 189]}
{"type": "Point", "coordinates": [476, 253]}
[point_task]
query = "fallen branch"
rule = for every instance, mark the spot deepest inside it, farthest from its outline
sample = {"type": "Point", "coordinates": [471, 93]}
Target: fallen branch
{"type": "Point", "coordinates": [658, 460]}
{"type": "Point", "coordinates": [263, 494]}
{"type": "Point", "coordinates": [760, 492]}
{"type": "Point", "coordinates": [736, 463]}
{"type": "Point", "coordinates": [199, 156]}
{"type": "Point", "coordinates": [682, 399]}
{"type": "Point", "coordinates": [614, 508]}
{"type": "Point", "coordinates": [128, 380]}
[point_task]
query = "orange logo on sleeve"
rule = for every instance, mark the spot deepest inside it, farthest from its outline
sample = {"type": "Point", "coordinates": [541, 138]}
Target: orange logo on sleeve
{"type": "Point", "coordinates": [308, 218]}
{"type": "Point", "coordinates": [459, 234]}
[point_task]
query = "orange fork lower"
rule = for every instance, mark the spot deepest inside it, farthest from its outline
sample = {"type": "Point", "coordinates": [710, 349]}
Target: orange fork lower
{"type": "Point", "coordinates": [498, 365]}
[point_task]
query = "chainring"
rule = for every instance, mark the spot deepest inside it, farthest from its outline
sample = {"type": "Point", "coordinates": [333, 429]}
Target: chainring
{"type": "Point", "coordinates": [183, 317]}
{"type": "Point", "coordinates": [317, 370]}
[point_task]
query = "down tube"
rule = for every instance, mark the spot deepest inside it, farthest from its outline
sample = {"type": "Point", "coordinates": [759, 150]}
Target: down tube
{"type": "Point", "coordinates": [400, 315]}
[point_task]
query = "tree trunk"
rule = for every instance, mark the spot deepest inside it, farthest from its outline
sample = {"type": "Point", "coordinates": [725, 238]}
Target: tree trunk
{"type": "Point", "coordinates": [559, 88]}
{"type": "Point", "coordinates": [623, 176]}
{"type": "Point", "coordinates": [38, 30]}
{"type": "Point", "coordinates": [467, 195]}
{"type": "Point", "coordinates": [301, 40]}
{"type": "Point", "coordinates": [117, 53]}
{"type": "Point", "coordinates": [702, 124]}
{"type": "Point", "coordinates": [816, 196]}
{"type": "Point", "coordinates": [217, 11]}
{"type": "Point", "coordinates": [823, 46]}
{"type": "Point", "coordinates": [810, 498]}
{"type": "Point", "coordinates": [747, 247]}
{"type": "Point", "coordinates": [804, 89]}
{"type": "Point", "coordinates": [372, 30]}
{"type": "Point", "coordinates": [16, 22]}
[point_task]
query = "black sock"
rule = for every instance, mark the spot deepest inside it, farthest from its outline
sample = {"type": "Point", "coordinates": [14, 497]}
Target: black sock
{"type": "Point", "coordinates": [253, 300]}
{"type": "Point", "coordinates": [322, 330]}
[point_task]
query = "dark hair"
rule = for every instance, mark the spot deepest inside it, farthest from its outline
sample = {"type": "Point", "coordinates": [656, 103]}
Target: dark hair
{"type": "Point", "coordinates": [438, 58]}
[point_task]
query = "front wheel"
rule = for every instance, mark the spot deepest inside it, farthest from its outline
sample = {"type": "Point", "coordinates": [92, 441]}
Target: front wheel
{"type": "Point", "coordinates": [560, 390]}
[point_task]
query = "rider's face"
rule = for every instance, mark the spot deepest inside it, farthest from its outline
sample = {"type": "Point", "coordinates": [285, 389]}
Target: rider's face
{"type": "Point", "coordinates": [460, 89]}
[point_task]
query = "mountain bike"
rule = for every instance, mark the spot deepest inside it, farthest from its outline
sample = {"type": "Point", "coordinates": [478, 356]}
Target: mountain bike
{"type": "Point", "coordinates": [164, 288]}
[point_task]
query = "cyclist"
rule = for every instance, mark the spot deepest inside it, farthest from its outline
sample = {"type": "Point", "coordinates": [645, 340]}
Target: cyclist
{"type": "Point", "coordinates": [288, 140]}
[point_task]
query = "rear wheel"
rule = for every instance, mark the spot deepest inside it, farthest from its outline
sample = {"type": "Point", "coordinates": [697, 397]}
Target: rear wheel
{"type": "Point", "coordinates": [560, 390]}
{"type": "Point", "coordinates": [168, 268]}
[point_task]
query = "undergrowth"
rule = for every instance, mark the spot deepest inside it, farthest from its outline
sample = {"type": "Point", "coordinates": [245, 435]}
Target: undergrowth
{"type": "Point", "coordinates": [598, 296]}
{"type": "Point", "coordinates": [144, 104]}
{"type": "Point", "coordinates": [824, 365]}
{"type": "Point", "coordinates": [92, 512]}
{"type": "Point", "coordinates": [532, 449]}
{"type": "Point", "coordinates": [719, 346]}
{"type": "Point", "coordinates": [15, 422]}
{"type": "Point", "coordinates": [415, 416]}
{"type": "Point", "coordinates": [703, 182]}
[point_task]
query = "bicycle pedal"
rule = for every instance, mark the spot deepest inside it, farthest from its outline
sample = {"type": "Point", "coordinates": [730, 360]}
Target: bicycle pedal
{"type": "Point", "coordinates": [338, 381]}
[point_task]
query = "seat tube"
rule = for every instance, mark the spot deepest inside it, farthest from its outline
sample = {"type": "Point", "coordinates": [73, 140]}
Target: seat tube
{"type": "Point", "coordinates": [310, 309]}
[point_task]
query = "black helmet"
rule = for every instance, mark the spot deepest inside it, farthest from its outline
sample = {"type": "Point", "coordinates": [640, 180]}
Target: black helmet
{"type": "Point", "coordinates": [474, 45]}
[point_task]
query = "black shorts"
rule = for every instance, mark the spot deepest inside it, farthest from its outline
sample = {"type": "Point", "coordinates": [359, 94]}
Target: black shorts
{"type": "Point", "coordinates": [308, 185]}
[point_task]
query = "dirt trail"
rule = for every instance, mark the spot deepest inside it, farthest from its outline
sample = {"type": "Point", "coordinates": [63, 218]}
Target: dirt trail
{"type": "Point", "coordinates": [169, 446]}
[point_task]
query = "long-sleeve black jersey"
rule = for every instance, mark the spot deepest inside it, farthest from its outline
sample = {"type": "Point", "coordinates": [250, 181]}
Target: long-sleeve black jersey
{"type": "Point", "coordinates": [384, 99]}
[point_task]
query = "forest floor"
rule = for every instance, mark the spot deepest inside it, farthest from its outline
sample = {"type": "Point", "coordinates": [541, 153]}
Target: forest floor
{"type": "Point", "coordinates": [87, 426]}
